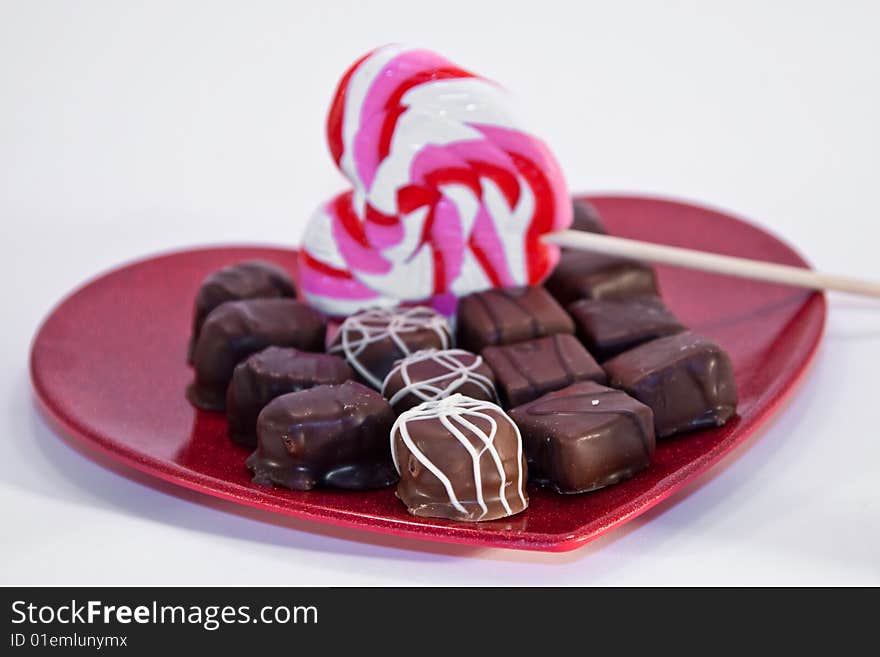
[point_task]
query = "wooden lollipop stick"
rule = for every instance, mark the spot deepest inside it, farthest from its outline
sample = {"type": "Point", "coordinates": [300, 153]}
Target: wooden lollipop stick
{"type": "Point", "coordinates": [713, 262]}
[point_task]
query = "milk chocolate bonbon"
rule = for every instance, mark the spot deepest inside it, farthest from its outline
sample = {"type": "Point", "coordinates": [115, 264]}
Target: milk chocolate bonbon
{"type": "Point", "coordinates": [459, 458]}
{"type": "Point", "coordinates": [371, 341]}
{"type": "Point", "coordinates": [437, 373]}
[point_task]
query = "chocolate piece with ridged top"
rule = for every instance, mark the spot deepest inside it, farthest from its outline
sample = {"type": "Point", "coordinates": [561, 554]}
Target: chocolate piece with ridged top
{"type": "Point", "coordinates": [527, 370]}
{"type": "Point", "coordinates": [328, 436]}
{"type": "Point", "coordinates": [585, 217]}
{"type": "Point", "coordinates": [508, 315]}
{"type": "Point", "coordinates": [584, 437]}
{"type": "Point", "coordinates": [270, 373]}
{"type": "Point", "coordinates": [586, 275]}
{"type": "Point", "coordinates": [686, 379]}
{"type": "Point", "coordinates": [608, 327]}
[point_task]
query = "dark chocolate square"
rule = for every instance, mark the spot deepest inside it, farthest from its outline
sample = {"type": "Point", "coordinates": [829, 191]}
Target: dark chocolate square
{"type": "Point", "coordinates": [527, 370]}
{"type": "Point", "coordinates": [610, 327]}
{"type": "Point", "coordinates": [584, 437]}
{"type": "Point", "coordinates": [585, 275]}
{"type": "Point", "coordinates": [508, 315]}
{"type": "Point", "coordinates": [686, 379]}
{"type": "Point", "coordinates": [586, 218]}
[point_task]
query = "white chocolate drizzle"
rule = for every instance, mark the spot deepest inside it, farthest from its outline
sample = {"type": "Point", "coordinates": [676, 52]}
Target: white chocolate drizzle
{"type": "Point", "coordinates": [456, 372]}
{"type": "Point", "coordinates": [365, 328]}
{"type": "Point", "coordinates": [453, 413]}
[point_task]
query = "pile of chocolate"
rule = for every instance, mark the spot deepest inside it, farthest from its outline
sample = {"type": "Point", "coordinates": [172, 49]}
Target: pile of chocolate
{"type": "Point", "coordinates": [566, 385]}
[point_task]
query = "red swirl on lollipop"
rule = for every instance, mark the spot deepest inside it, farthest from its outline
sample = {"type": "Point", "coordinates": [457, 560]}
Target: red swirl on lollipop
{"type": "Point", "coordinates": [449, 195]}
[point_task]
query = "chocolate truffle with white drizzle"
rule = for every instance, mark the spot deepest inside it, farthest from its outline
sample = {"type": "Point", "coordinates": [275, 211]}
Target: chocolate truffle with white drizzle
{"type": "Point", "coordinates": [459, 458]}
{"type": "Point", "coordinates": [372, 341]}
{"type": "Point", "coordinates": [437, 373]}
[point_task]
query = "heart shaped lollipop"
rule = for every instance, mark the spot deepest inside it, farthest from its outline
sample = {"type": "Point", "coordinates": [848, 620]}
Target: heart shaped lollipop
{"type": "Point", "coordinates": [449, 195]}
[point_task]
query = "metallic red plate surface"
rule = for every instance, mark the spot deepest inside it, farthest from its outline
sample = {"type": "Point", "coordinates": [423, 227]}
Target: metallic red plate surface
{"type": "Point", "coordinates": [108, 366]}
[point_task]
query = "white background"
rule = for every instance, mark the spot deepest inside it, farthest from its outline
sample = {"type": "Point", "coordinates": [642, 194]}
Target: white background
{"type": "Point", "coordinates": [127, 128]}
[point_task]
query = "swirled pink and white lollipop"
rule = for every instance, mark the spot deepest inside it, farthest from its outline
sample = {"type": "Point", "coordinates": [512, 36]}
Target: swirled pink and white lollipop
{"type": "Point", "coordinates": [449, 194]}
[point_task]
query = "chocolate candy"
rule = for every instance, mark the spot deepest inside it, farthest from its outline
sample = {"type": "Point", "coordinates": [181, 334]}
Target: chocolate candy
{"type": "Point", "coordinates": [608, 328]}
{"type": "Point", "coordinates": [584, 437]}
{"type": "Point", "coordinates": [236, 329]}
{"type": "Point", "coordinates": [527, 370]}
{"type": "Point", "coordinates": [586, 218]}
{"type": "Point", "coordinates": [335, 436]}
{"type": "Point", "coordinates": [585, 275]}
{"type": "Point", "coordinates": [270, 373]}
{"type": "Point", "coordinates": [373, 340]}
{"type": "Point", "coordinates": [459, 458]}
{"type": "Point", "coordinates": [507, 315]}
{"type": "Point", "coordinates": [434, 374]}
{"type": "Point", "coordinates": [686, 379]}
{"type": "Point", "coordinates": [254, 279]}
